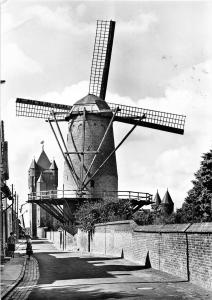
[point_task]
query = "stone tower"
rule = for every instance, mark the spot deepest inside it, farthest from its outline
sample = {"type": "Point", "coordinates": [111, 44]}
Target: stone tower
{"type": "Point", "coordinates": [42, 176]}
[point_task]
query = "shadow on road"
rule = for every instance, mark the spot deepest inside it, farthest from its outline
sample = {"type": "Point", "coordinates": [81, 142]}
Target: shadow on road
{"type": "Point", "coordinates": [65, 275]}
{"type": "Point", "coordinates": [77, 267]}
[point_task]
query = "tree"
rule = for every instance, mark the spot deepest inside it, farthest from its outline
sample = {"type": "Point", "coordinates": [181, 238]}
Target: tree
{"type": "Point", "coordinates": [144, 217]}
{"type": "Point", "coordinates": [197, 204]}
{"type": "Point", "coordinates": [91, 213]}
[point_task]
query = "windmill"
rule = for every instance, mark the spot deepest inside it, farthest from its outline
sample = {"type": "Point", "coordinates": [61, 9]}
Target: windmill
{"type": "Point", "coordinates": [90, 167]}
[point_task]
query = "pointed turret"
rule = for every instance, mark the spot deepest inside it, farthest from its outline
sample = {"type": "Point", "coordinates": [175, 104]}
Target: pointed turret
{"type": "Point", "coordinates": [41, 179]}
{"type": "Point", "coordinates": [33, 164]}
{"type": "Point", "coordinates": [43, 161]}
{"type": "Point", "coordinates": [41, 184]}
{"type": "Point", "coordinates": [53, 166]}
{"type": "Point", "coordinates": [167, 204]}
{"type": "Point", "coordinates": [157, 201]}
{"type": "Point", "coordinates": [33, 175]}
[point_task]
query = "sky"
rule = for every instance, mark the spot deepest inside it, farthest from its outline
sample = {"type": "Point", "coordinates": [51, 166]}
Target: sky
{"type": "Point", "coordinates": [161, 60]}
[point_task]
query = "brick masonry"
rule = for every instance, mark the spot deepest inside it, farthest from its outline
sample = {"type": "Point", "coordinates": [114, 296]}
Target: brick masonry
{"type": "Point", "coordinates": [184, 250]}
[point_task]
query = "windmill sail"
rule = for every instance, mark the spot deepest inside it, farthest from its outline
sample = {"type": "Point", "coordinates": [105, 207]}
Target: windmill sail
{"type": "Point", "coordinates": [153, 119]}
{"type": "Point", "coordinates": [101, 58]}
{"type": "Point", "coordinates": [40, 109]}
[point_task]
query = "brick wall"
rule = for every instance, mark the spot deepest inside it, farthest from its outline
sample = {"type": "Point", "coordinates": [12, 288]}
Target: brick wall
{"type": "Point", "coordinates": [184, 250]}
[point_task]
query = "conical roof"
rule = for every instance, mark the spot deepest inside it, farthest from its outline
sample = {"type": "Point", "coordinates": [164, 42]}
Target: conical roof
{"type": "Point", "coordinates": [167, 198]}
{"type": "Point", "coordinates": [53, 166]}
{"type": "Point", "coordinates": [43, 161]}
{"type": "Point", "coordinates": [157, 199]}
{"type": "Point", "coordinates": [33, 164]}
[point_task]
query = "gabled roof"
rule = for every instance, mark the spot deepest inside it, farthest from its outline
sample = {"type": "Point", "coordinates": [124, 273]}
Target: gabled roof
{"type": "Point", "coordinates": [167, 198]}
{"type": "Point", "coordinates": [157, 199]}
{"type": "Point", "coordinates": [53, 166]}
{"type": "Point", "coordinates": [43, 161]}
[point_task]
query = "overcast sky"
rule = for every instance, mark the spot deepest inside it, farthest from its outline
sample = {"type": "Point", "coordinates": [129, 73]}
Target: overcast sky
{"type": "Point", "coordinates": [162, 60]}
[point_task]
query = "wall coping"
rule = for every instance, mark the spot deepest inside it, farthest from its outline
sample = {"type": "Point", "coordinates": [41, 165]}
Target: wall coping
{"type": "Point", "coordinates": [129, 222]}
{"type": "Point", "coordinates": [168, 228]}
{"type": "Point", "coordinates": [163, 228]}
{"type": "Point", "coordinates": [200, 227]}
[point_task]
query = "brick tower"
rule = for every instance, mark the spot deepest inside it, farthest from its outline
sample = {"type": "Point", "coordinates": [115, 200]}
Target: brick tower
{"type": "Point", "coordinates": [85, 133]}
{"type": "Point", "coordinates": [42, 176]}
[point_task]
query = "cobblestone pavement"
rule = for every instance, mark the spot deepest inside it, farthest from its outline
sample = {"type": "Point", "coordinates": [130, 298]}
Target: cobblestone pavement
{"type": "Point", "coordinates": [31, 275]}
{"type": "Point", "coordinates": [72, 276]}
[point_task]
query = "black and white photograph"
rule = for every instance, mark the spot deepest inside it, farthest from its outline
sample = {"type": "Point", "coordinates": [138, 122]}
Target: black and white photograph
{"type": "Point", "coordinates": [106, 149]}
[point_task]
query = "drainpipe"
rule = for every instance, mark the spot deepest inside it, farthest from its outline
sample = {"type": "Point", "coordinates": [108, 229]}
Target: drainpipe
{"type": "Point", "coordinates": [187, 253]}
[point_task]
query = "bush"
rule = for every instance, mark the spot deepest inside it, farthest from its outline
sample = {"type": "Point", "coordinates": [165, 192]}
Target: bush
{"type": "Point", "coordinates": [91, 213]}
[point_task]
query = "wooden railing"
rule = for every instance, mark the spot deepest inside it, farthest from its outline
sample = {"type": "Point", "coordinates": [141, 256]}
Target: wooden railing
{"type": "Point", "coordinates": [73, 194]}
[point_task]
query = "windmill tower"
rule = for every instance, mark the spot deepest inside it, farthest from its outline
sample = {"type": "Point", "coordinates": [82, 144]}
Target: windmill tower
{"type": "Point", "coordinates": [89, 153]}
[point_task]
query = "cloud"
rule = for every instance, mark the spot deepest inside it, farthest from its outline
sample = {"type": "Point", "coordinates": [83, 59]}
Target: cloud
{"type": "Point", "coordinates": [152, 159]}
{"type": "Point", "coordinates": [140, 24]}
{"type": "Point", "coordinates": [81, 9]}
{"type": "Point", "coordinates": [15, 62]}
{"type": "Point", "coordinates": [58, 18]}
{"type": "Point", "coordinates": [69, 95]}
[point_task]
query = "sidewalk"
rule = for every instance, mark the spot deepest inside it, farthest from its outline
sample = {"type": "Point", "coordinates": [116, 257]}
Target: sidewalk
{"type": "Point", "coordinates": [13, 270]}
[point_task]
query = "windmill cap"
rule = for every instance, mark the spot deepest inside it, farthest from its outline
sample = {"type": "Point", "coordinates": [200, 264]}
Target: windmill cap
{"type": "Point", "coordinates": [93, 100]}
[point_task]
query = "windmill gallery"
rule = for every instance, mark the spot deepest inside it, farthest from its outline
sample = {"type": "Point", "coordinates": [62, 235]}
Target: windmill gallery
{"type": "Point", "coordinates": [90, 169]}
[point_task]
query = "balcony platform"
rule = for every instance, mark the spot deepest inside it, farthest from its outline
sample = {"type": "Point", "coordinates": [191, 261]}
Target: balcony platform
{"type": "Point", "coordinates": [54, 200]}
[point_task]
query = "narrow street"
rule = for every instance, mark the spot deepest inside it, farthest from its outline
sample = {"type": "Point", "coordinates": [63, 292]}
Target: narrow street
{"type": "Point", "coordinates": [52, 274]}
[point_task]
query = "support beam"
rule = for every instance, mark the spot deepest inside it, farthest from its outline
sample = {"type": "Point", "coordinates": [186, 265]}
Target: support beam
{"type": "Point", "coordinates": [83, 149]}
{"type": "Point", "coordinates": [100, 145]}
{"type": "Point", "coordinates": [52, 213]}
{"type": "Point", "coordinates": [65, 158]}
{"type": "Point", "coordinates": [64, 144]}
{"type": "Point", "coordinates": [109, 156]}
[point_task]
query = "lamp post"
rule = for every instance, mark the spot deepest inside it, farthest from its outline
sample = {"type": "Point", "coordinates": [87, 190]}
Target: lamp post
{"type": "Point", "coordinates": [1, 203]}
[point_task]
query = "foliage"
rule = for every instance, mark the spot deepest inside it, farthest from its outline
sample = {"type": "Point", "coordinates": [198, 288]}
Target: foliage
{"type": "Point", "coordinates": [91, 213]}
{"type": "Point", "coordinates": [197, 205]}
{"type": "Point", "coordinates": [143, 217]}
{"type": "Point", "coordinates": [49, 223]}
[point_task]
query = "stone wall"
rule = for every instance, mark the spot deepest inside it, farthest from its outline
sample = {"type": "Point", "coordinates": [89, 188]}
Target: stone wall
{"type": "Point", "coordinates": [184, 250]}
